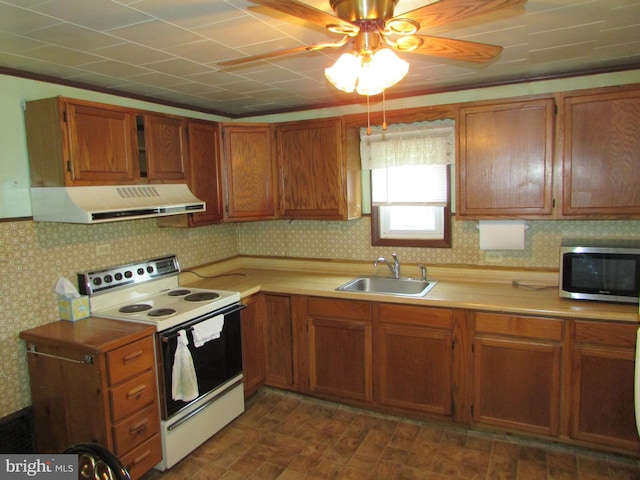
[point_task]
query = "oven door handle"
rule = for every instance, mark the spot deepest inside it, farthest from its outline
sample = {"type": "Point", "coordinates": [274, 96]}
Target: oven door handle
{"type": "Point", "coordinates": [182, 420]}
{"type": "Point", "coordinates": [167, 335]}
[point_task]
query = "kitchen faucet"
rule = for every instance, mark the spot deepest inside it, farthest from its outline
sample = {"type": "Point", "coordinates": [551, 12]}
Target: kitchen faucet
{"type": "Point", "coordinates": [394, 267]}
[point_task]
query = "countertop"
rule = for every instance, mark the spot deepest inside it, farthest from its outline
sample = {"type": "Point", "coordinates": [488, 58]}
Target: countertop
{"type": "Point", "coordinates": [532, 298]}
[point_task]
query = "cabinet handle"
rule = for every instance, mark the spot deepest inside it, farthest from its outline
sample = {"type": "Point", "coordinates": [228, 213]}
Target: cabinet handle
{"type": "Point", "coordinates": [136, 392]}
{"type": "Point", "coordinates": [131, 356]}
{"type": "Point", "coordinates": [134, 429]}
{"type": "Point", "coordinates": [140, 458]}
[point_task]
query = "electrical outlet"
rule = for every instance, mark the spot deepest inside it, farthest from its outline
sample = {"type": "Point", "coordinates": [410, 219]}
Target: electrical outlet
{"type": "Point", "coordinates": [493, 257]}
{"type": "Point", "coordinates": [103, 249]}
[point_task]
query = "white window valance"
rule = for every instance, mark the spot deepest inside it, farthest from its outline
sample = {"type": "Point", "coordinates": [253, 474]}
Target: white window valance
{"type": "Point", "coordinates": [421, 143]}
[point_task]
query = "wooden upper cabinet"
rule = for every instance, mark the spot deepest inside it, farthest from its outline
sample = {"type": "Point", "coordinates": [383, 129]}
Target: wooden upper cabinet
{"type": "Point", "coordinates": [318, 170]}
{"type": "Point", "coordinates": [505, 159]}
{"type": "Point", "coordinates": [249, 172]}
{"type": "Point", "coordinates": [601, 159]}
{"type": "Point", "coordinates": [71, 142]}
{"type": "Point", "coordinates": [165, 150]}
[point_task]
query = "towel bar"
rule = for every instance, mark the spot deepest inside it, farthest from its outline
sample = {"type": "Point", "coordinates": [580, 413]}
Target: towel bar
{"type": "Point", "coordinates": [33, 349]}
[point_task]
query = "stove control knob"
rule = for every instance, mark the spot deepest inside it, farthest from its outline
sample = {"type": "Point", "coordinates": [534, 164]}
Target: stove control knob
{"type": "Point", "coordinates": [97, 281]}
{"type": "Point", "coordinates": [108, 278]}
{"type": "Point", "coordinates": [140, 271]}
{"type": "Point", "coordinates": [128, 274]}
{"type": "Point", "coordinates": [118, 276]}
{"type": "Point", "coordinates": [150, 269]}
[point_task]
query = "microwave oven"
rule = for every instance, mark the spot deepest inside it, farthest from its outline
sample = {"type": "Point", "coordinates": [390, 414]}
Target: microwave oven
{"type": "Point", "coordinates": [604, 273]}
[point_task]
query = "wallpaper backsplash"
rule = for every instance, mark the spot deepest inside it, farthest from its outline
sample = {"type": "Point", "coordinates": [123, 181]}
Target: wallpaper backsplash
{"type": "Point", "coordinates": [33, 255]}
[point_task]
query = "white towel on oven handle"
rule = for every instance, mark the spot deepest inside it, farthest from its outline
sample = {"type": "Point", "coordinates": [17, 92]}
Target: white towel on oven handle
{"type": "Point", "coordinates": [207, 330]}
{"type": "Point", "coordinates": [184, 383]}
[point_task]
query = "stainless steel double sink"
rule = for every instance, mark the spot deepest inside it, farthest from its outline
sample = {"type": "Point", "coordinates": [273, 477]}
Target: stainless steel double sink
{"type": "Point", "coordinates": [403, 287]}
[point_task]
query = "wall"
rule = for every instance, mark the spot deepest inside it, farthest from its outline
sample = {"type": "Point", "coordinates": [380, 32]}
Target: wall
{"type": "Point", "coordinates": [33, 255]}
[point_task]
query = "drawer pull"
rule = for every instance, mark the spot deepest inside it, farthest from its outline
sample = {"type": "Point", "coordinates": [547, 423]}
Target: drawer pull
{"type": "Point", "coordinates": [131, 356]}
{"type": "Point", "coordinates": [140, 458]}
{"type": "Point", "coordinates": [136, 392]}
{"type": "Point", "coordinates": [135, 429]}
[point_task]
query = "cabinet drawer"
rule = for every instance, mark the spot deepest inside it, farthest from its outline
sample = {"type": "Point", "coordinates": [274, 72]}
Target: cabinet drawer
{"type": "Point", "coordinates": [143, 458]}
{"type": "Point", "coordinates": [136, 429]}
{"type": "Point", "coordinates": [127, 361]}
{"type": "Point", "coordinates": [340, 309]}
{"type": "Point", "coordinates": [133, 395]}
{"type": "Point", "coordinates": [599, 333]}
{"type": "Point", "coordinates": [530, 327]}
{"type": "Point", "coordinates": [418, 316]}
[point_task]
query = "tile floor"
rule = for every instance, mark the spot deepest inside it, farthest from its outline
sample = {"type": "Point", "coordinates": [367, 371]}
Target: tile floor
{"type": "Point", "coordinates": [289, 437]}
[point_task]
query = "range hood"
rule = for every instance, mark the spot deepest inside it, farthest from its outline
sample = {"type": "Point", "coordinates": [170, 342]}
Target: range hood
{"type": "Point", "coordinates": [100, 204]}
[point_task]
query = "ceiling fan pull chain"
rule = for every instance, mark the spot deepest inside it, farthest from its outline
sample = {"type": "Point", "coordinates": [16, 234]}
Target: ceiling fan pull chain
{"type": "Point", "coordinates": [368, 118]}
{"type": "Point", "coordinates": [384, 113]}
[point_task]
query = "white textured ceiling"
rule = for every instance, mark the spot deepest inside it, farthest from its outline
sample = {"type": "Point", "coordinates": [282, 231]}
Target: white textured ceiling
{"type": "Point", "coordinates": [167, 50]}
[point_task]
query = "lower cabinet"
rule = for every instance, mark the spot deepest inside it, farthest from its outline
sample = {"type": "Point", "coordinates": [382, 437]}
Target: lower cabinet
{"type": "Point", "coordinates": [413, 350]}
{"type": "Point", "coordinates": [602, 376]}
{"type": "Point", "coordinates": [339, 345]}
{"type": "Point", "coordinates": [279, 346]}
{"type": "Point", "coordinates": [517, 365]}
{"type": "Point", "coordinates": [253, 344]}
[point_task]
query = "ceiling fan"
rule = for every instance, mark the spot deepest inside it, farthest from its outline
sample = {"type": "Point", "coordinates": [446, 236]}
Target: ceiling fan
{"type": "Point", "coordinates": [372, 28]}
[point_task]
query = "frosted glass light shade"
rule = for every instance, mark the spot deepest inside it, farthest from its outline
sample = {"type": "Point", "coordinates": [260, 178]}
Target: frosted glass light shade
{"type": "Point", "coordinates": [367, 75]}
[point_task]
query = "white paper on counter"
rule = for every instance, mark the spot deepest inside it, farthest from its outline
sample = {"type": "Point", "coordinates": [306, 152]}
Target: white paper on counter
{"type": "Point", "coordinates": [502, 234]}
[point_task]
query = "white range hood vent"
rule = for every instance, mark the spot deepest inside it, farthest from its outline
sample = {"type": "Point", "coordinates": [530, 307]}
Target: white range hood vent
{"type": "Point", "coordinates": [100, 204]}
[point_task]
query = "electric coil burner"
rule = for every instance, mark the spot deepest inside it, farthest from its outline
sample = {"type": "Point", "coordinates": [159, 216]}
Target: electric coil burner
{"type": "Point", "coordinates": [149, 292]}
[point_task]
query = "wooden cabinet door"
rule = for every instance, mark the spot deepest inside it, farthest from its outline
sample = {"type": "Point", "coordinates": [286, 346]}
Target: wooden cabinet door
{"type": "Point", "coordinates": [517, 371]}
{"type": "Point", "coordinates": [165, 142]}
{"type": "Point", "coordinates": [340, 345]}
{"type": "Point", "coordinates": [205, 178]}
{"type": "Point", "coordinates": [102, 145]}
{"type": "Point", "coordinates": [505, 159]}
{"type": "Point", "coordinates": [253, 344]}
{"type": "Point", "coordinates": [413, 358]}
{"type": "Point", "coordinates": [601, 145]}
{"type": "Point", "coordinates": [312, 170]}
{"type": "Point", "coordinates": [278, 347]}
{"type": "Point", "coordinates": [249, 172]}
{"type": "Point", "coordinates": [602, 396]}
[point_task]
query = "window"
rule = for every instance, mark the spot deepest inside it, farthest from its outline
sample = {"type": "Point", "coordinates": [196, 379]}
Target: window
{"type": "Point", "coordinates": [410, 183]}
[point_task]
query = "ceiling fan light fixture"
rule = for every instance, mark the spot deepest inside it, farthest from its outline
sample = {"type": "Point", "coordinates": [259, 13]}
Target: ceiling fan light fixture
{"type": "Point", "coordinates": [367, 74]}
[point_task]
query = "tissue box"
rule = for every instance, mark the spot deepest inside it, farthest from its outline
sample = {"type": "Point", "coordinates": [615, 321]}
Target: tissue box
{"type": "Point", "coordinates": [73, 309]}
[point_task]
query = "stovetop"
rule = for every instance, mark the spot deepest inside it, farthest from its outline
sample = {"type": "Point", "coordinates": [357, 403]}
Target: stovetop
{"type": "Point", "coordinates": [148, 292]}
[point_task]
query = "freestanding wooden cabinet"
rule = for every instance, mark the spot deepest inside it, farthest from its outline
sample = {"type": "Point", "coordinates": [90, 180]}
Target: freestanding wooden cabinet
{"type": "Point", "coordinates": [505, 159]}
{"type": "Point", "coordinates": [96, 381]}
{"type": "Point", "coordinates": [72, 142]}
{"type": "Point", "coordinates": [339, 347]}
{"type": "Point", "coordinates": [602, 378]}
{"type": "Point", "coordinates": [249, 172]}
{"type": "Point", "coordinates": [413, 358]}
{"type": "Point", "coordinates": [601, 145]}
{"type": "Point", "coordinates": [517, 372]}
{"type": "Point", "coordinates": [318, 170]}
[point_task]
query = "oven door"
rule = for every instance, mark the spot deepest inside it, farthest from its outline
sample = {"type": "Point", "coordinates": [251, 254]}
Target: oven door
{"type": "Point", "coordinates": [215, 362]}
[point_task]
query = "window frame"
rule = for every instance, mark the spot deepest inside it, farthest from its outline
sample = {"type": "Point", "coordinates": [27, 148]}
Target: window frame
{"type": "Point", "coordinates": [445, 242]}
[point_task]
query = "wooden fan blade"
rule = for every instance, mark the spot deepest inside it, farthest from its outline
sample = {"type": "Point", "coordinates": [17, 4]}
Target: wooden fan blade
{"type": "Point", "coordinates": [263, 56]}
{"type": "Point", "coordinates": [449, 11]}
{"type": "Point", "coordinates": [288, 51]}
{"type": "Point", "coordinates": [303, 11]}
{"type": "Point", "coordinates": [457, 49]}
